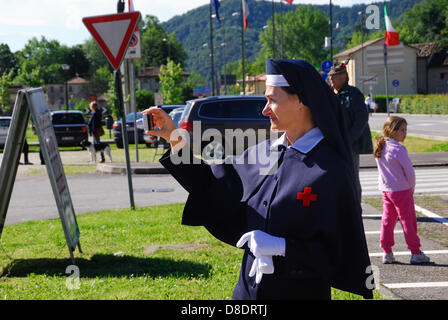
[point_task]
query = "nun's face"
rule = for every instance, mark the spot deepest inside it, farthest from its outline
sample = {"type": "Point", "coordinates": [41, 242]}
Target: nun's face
{"type": "Point", "coordinates": [285, 111]}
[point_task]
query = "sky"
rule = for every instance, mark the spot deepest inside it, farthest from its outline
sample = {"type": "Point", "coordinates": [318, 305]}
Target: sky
{"type": "Point", "coordinates": [60, 20]}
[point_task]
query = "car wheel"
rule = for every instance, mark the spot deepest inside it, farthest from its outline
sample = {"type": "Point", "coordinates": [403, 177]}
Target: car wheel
{"type": "Point", "coordinates": [119, 145]}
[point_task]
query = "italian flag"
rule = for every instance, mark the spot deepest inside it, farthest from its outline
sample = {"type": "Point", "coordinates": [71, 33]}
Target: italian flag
{"type": "Point", "coordinates": [390, 35]}
{"type": "Point", "coordinates": [245, 13]}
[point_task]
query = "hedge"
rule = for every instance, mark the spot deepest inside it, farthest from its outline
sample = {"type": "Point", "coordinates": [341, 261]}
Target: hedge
{"type": "Point", "coordinates": [417, 104]}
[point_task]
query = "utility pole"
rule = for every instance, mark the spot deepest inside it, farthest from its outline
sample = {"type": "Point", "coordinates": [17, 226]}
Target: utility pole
{"type": "Point", "coordinates": [273, 31]}
{"type": "Point", "coordinates": [331, 32]}
{"type": "Point", "coordinates": [243, 54]}
{"type": "Point", "coordinates": [119, 92]}
{"type": "Point", "coordinates": [212, 60]}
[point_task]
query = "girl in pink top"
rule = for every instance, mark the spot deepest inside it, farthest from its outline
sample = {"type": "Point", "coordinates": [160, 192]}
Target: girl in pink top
{"type": "Point", "coordinates": [397, 182]}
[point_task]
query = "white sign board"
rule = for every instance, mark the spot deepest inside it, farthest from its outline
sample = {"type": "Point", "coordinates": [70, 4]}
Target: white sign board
{"type": "Point", "coordinates": [368, 79]}
{"type": "Point", "coordinates": [33, 100]}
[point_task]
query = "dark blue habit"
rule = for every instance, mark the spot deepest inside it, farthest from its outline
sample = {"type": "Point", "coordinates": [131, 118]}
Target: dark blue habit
{"type": "Point", "coordinates": [310, 201]}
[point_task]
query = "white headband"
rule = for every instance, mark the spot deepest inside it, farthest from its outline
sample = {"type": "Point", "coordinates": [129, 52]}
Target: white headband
{"type": "Point", "coordinates": [276, 80]}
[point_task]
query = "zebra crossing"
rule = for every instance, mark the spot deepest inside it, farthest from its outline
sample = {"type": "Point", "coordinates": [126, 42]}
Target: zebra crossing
{"type": "Point", "coordinates": [429, 180]}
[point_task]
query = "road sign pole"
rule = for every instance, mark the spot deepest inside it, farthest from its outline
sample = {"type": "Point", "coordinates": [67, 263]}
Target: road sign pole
{"type": "Point", "coordinates": [124, 132]}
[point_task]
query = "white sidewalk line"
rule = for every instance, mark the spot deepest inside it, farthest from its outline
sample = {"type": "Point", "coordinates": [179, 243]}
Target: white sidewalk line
{"type": "Point", "coordinates": [379, 232]}
{"type": "Point", "coordinates": [416, 285]}
{"type": "Point", "coordinates": [408, 253]}
{"type": "Point", "coordinates": [431, 215]}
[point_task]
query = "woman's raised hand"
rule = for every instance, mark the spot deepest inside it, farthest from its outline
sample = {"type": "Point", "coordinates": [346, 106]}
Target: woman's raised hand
{"type": "Point", "coordinates": [164, 123]}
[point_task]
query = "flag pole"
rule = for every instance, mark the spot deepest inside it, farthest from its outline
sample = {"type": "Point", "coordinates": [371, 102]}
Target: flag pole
{"type": "Point", "coordinates": [243, 54]}
{"type": "Point", "coordinates": [273, 31]}
{"type": "Point", "coordinates": [281, 29]}
{"type": "Point", "coordinates": [212, 60]}
{"type": "Point", "coordinates": [386, 76]}
{"type": "Point", "coordinates": [331, 32]}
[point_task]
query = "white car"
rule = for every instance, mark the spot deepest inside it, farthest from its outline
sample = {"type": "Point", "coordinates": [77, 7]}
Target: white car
{"type": "Point", "coordinates": [5, 122]}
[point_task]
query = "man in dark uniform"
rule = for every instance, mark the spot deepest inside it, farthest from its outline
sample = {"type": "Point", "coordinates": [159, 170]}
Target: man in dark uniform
{"type": "Point", "coordinates": [352, 102]}
{"type": "Point", "coordinates": [300, 225]}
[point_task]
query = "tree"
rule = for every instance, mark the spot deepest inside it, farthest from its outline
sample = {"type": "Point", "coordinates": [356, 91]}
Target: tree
{"type": "Point", "coordinates": [304, 32]}
{"type": "Point", "coordinates": [158, 46]}
{"type": "Point", "coordinates": [145, 99]}
{"type": "Point", "coordinates": [94, 55]}
{"type": "Point", "coordinates": [358, 38]}
{"type": "Point", "coordinates": [100, 80]}
{"type": "Point", "coordinates": [425, 22]}
{"type": "Point", "coordinates": [5, 96]}
{"type": "Point", "coordinates": [7, 59]}
{"type": "Point", "coordinates": [170, 83]}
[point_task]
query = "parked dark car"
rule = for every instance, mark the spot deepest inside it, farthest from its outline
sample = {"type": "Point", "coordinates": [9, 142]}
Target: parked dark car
{"type": "Point", "coordinates": [69, 127]}
{"type": "Point", "coordinates": [5, 122]}
{"type": "Point", "coordinates": [238, 113]}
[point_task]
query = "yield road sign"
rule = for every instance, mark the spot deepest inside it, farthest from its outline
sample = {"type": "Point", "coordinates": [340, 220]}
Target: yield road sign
{"type": "Point", "coordinates": [113, 33]}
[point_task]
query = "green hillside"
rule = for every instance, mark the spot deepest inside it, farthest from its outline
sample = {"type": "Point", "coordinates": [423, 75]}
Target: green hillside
{"type": "Point", "coordinates": [192, 29]}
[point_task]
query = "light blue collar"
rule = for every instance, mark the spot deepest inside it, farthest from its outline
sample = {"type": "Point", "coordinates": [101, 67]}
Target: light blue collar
{"type": "Point", "coordinates": [304, 144]}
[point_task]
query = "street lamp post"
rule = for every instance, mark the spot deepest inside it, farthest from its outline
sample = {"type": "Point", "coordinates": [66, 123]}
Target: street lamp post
{"type": "Point", "coordinates": [66, 67]}
{"type": "Point", "coordinates": [331, 32]}
{"type": "Point", "coordinates": [243, 54]}
{"type": "Point", "coordinates": [211, 49]}
{"type": "Point", "coordinates": [363, 19]}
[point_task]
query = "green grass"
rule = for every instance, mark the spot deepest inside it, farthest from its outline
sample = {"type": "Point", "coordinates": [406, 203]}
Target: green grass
{"type": "Point", "coordinates": [114, 265]}
{"type": "Point", "coordinates": [417, 145]}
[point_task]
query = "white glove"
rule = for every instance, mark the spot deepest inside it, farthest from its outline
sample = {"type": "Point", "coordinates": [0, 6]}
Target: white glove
{"type": "Point", "coordinates": [261, 265]}
{"type": "Point", "coordinates": [262, 244]}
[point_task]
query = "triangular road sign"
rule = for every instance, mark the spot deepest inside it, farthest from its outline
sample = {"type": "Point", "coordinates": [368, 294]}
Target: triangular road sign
{"type": "Point", "coordinates": [113, 33]}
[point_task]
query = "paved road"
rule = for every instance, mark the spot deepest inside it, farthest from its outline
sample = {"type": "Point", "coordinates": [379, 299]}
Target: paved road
{"type": "Point", "coordinates": [429, 181]}
{"type": "Point", "coordinates": [425, 126]}
{"type": "Point", "coordinates": [32, 197]}
{"type": "Point", "coordinates": [403, 280]}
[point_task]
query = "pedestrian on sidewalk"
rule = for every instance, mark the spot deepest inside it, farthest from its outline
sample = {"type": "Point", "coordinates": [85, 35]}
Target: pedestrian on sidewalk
{"type": "Point", "coordinates": [397, 182]}
{"type": "Point", "coordinates": [95, 127]}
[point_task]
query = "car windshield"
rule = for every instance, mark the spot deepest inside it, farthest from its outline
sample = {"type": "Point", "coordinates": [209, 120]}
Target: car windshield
{"type": "Point", "coordinates": [68, 118]}
{"type": "Point", "coordinates": [5, 122]}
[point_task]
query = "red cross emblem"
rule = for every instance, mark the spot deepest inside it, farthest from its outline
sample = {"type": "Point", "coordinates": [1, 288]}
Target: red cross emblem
{"type": "Point", "coordinates": [306, 196]}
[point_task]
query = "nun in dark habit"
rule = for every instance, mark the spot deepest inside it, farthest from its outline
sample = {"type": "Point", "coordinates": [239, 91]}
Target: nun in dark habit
{"type": "Point", "coordinates": [299, 225]}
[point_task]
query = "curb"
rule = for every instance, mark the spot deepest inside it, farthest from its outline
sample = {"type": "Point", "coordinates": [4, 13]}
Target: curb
{"type": "Point", "coordinates": [136, 168]}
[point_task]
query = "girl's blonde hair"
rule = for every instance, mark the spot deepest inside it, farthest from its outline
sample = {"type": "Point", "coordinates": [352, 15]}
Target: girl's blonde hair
{"type": "Point", "coordinates": [390, 127]}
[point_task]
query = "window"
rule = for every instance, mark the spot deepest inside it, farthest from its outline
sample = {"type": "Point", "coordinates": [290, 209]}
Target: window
{"type": "Point", "coordinates": [68, 118]}
{"type": "Point", "coordinates": [236, 109]}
